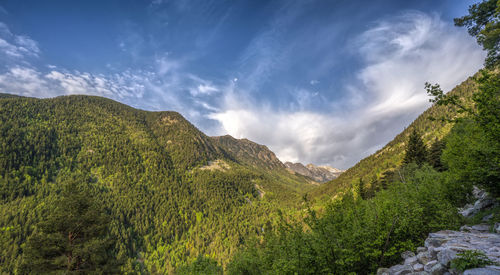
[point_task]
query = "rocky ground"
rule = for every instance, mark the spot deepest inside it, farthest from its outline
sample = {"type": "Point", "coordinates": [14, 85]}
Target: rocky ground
{"type": "Point", "coordinates": [443, 246]}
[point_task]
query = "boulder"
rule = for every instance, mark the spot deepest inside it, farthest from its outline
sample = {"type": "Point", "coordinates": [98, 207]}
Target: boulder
{"type": "Point", "coordinates": [446, 255]}
{"type": "Point", "coordinates": [424, 257]}
{"type": "Point", "coordinates": [418, 267]}
{"type": "Point", "coordinates": [482, 271]}
{"type": "Point", "coordinates": [383, 271]}
{"type": "Point", "coordinates": [421, 249]}
{"type": "Point", "coordinates": [428, 267]}
{"type": "Point", "coordinates": [400, 269]}
{"type": "Point", "coordinates": [407, 254]}
{"type": "Point", "coordinates": [487, 217]}
{"type": "Point", "coordinates": [411, 260]}
{"type": "Point", "coordinates": [481, 228]}
{"type": "Point", "coordinates": [438, 269]}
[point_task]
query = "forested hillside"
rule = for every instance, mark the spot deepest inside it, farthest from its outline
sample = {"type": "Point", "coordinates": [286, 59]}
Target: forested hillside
{"type": "Point", "coordinates": [389, 202]}
{"type": "Point", "coordinates": [151, 173]}
{"type": "Point", "coordinates": [378, 168]}
{"type": "Point", "coordinates": [365, 226]}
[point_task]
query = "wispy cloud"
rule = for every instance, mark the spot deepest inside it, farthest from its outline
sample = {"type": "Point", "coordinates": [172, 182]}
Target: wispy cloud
{"type": "Point", "coordinates": [399, 54]}
{"type": "Point", "coordinates": [16, 46]}
{"type": "Point", "coordinates": [166, 86]}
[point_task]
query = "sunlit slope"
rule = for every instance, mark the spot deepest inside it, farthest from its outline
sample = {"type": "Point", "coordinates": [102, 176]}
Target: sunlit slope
{"type": "Point", "coordinates": [371, 169]}
{"type": "Point", "coordinates": [172, 191]}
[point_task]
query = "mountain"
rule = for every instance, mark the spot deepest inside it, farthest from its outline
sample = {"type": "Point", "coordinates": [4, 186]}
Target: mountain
{"type": "Point", "coordinates": [319, 174]}
{"type": "Point", "coordinates": [377, 167]}
{"type": "Point", "coordinates": [249, 152]}
{"type": "Point", "coordinates": [172, 192]}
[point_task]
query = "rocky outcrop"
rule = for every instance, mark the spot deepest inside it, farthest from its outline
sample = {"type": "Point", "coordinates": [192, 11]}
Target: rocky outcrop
{"type": "Point", "coordinates": [443, 246]}
{"type": "Point", "coordinates": [483, 201]}
{"type": "Point", "coordinates": [249, 152]}
{"type": "Point", "coordinates": [319, 174]}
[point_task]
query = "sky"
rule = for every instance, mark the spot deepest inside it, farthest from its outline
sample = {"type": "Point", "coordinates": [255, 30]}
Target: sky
{"type": "Point", "coordinates": [323, 82]}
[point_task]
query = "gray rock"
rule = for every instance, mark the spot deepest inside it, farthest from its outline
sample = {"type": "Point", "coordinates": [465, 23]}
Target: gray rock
{"type": "Point", "coordinates": [482, 271]}
{"type": "Point", "coordinates": [446, 255]}
{"type": "Point", "coordinates": [411, 260]}
{"type": "Point", "coordinates": [433, 251]}
{"type": "Point", "coordinates": [418, 267]}
{"type": "Point", "coordinates": [424, 257]}
{"type": "Point", "coordinates": [429, 265]}
{"type": "Point", "coordinates": [407, 254]}
{"type": "Point", "coordinates": [433, 241]}
{"type": "Point", "coordinates": [487, 217]}
{"type": "Point", "coordinates": [497, 228]}
{"type": "Point", "coordinates": [421, 249]}
{"type": "Point", "coordinates": [481, 228]}
{"type": "Point", "coordinates": [467, 210]}
{"type": "Point", "coordinates": [383, 271]}
{"type": "Point", "coordinates": [465, 228]}
{"type": "Point", "coordinates": [400, 269]}
{"type": "Point", "coordinates": [438, 269]}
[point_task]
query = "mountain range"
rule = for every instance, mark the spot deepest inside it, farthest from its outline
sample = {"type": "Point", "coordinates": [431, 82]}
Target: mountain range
{"type": "Point", "coordinates": [318, 174]}
{"type": "Point", "coordinates": [172, 192]}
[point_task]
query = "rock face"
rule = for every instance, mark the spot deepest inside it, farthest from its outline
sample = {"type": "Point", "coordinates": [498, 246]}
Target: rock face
{"type": "Point", "coordinates": [319, 174]}
{"type": "Point", "coordinates": [443, 246]}
{"type": "Point", "coordinates": [483, 200]}
{"type": "Point", "coordinates": [249, 152]}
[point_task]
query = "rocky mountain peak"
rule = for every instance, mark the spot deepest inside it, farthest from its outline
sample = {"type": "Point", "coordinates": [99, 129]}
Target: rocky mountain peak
{"type": "Point", "coordinates": [319, 174]}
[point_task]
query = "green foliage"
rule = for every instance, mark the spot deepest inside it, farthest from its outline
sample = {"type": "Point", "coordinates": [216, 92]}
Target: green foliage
{"type": "Point", "coordinates": [144, 168]}
{"type": "Point", "coordinates": [434, 155]}
{"type": "Point", "coordinates": [355, 235]}
{"type": "Point", "coordinates": [72, 237]}
{"type": "Point", "coordinates": [472, 153]}
{"type": "Point", "coordinates": [202, 265]}
{"type": "Point", "coordinates": [415, 149]}
{"type": "Point", "coordinates": [470, 259]}
{"type": "Point", "coordinates": [483, 22]}
{"type": "Point", "coordinates": [372, 168]}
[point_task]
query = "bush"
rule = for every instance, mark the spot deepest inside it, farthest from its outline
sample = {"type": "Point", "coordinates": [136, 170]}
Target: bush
{"type": "Point", "coordinates": [470, 259]}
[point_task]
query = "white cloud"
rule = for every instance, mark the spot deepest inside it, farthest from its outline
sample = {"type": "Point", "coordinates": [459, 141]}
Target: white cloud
{"type": "Point", "coordinates": [27, 81]}
{"type": "Point", "coordinates": [400, 54]}
{"type": "Point", "coordinates": [16, 46]}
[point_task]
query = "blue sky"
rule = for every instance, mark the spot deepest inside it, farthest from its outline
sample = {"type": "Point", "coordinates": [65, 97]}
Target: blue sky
{"type": "Point", "coordinates": [324, 82]}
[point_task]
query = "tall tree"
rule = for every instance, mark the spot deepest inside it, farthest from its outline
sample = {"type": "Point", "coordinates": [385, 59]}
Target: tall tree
{"type": "Point", "coordinates": [483, 22]}
{"type": "Point", "coordinates": [72, 237]}
{"type": "Point", "coordinates": [415, 150]}
{"type": "Point", "coordinates": [435, 152]}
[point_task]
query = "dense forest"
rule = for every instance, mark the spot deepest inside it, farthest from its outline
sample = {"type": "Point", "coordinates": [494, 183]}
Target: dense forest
{"type": "Point", "coordinates": [389, 202]}
{"type": "Point", "coordinates": [92, 186]}
{"type": "Point", "coordinates": [148, 173]}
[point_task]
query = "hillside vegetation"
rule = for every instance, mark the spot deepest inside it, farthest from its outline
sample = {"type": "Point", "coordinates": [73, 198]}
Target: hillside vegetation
{"type": "Point", "coordinates": [376, 169]}
{"type": "Point", "coordinates": [144, 169]}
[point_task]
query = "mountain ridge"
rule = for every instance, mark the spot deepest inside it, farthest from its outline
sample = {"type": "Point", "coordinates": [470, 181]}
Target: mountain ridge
{"type": "Point", "coordinates": [319, 174]}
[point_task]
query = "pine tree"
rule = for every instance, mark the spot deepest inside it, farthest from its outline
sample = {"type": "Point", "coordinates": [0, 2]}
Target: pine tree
{"type": "Point", "coordinates": [435, 152]}
{"type": "Point", "coordinates": [362, 189]}
{"type": "Point", "coordinates": [72, 238]}
{"type": "Point", "coordinates": [386, 178]}
{"type": "Point", "coordinates": [415, 150]}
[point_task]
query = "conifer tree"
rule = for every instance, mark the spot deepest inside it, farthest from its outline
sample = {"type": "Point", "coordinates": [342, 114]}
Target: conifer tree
{"type": "Point", "coordinates": [72, 238]}
{"type": "Point", "coordinates": [415, 150]}
{"type": "Point", "coordinates": [434, 156]}
{"type": "Point", "coordinates": [362, 189]}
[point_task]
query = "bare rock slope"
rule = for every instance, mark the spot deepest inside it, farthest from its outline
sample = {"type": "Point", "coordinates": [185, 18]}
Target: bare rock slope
{"type": "Point", "coordinates": [319, 174]}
